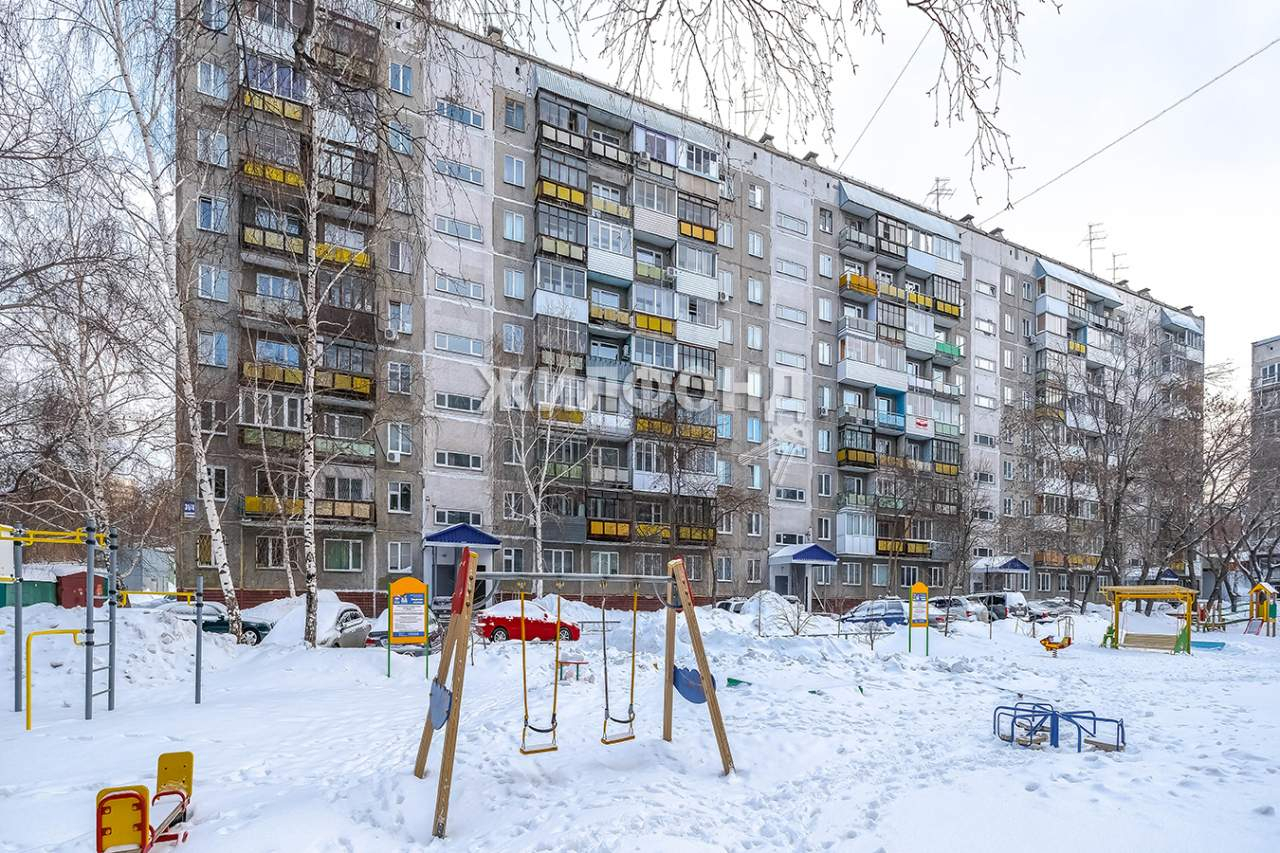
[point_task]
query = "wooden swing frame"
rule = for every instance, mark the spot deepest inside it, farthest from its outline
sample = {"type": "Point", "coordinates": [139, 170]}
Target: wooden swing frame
{"type": "Point", "coordinates": [453, 665]}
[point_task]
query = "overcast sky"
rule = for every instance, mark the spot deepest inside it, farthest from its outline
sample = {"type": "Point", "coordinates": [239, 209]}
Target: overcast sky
{"type": "Point", "coordinates": [1191, 200]}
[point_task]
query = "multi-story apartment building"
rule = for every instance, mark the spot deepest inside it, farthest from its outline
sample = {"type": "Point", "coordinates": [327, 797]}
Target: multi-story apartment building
{"type": "Point", "coordinates": [721, 350]}
{"type": "Point", "coordinates": [1264, 377]}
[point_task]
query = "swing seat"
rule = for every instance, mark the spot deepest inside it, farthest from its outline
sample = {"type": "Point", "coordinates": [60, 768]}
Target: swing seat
{"type": "Point", "coordinates": [441, 704]}
{"type": "Point", "coordinates": [688, 683]}
{"type": "Point", "coordinates": [538, 748]}
{"type": "Point", "coordinates": [629, 722]}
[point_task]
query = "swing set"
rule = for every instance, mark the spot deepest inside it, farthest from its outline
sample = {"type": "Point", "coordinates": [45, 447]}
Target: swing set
{"type": "Point", "coordinates": [697, 686]}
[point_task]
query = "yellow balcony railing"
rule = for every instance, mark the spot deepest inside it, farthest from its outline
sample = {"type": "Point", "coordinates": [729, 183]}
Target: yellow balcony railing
{"type": "Point", "coordinates": [653, 323]}
{"type": "Point", "coordinates": [560, 413]}
{"type": "Point", "coordinates": [272, 240]}
{"type": "Point", "coordinates": [348, 510]}
{"type": "Point", "coordinates": [1077, 348]}
{"type": "Point", "coordinates": [909, 547]}
{"type": "Point", "coordinates": [856, 456]}
{"type": "Point", "coordinates": [272, 104]}
{"type": "Point", "coordinates": [335, 381]}
{"type": "Point", "coordinates": [951, 309]}
{"type": "Point", "coordinates": [611, 207]}
{"type": "Point", "coordinates": [268, 172]}
{"type": "Point", "coordinates": [698, 432]}
{"type": "Point", "coordinates": [649, 271]}
{"type": "Point", "coordinates": [946, 468]}
{"type": "Point", "coordinates": [267, 505]}
{"type": "Point", "coordinates": [342, 255]}
{"type": "Point", "coordinates": [654, 426]}
{"type": "Point", "coordinates": [599, 528]}
{"type": "Point", "coordinates": [697, 232]}
{"type": "Point", "coordinates": [892, 291]}
{"type": "Point", "coordinates": [921, 299]}
{"type": "Point", "coordinates": [266, 372]}
{"type": "Point", "coordinates": [858, 284]}
{"type": "Point", "coordinates": [605, 314]}
{"type": "Point", "coordinates": [563, 248]}
{"type": "Point", "coordinates": [269, 438]}
{"type": "Point", "coordinates": [693, 533]}
{"type": "Point", "coordinates": [646, 530]}
{"type": "Point", "coordinates": [559, 192]}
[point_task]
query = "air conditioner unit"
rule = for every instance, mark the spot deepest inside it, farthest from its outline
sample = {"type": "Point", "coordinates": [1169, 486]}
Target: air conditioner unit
{"type": "Point", "coordinates": [595, 214]}
{"type": "Point", "coordinates": [724, 297]}
{"type": "Point", "coordinates": [391, 334]}
{"type": "Point", "coordinates": [669, 273]}
{"type": "Point", "coordinates": [644, 157]}
{"type": "Point", "coordinates": [824, 412]}
{"type": "Point", "coordinates": [393, 456]}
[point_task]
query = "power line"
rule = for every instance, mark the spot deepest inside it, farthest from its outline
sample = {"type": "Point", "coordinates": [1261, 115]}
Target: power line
{"type": "Point", "coordinates": [1134, 130]}
{"type": "Point", "coordinates": [885, 99]}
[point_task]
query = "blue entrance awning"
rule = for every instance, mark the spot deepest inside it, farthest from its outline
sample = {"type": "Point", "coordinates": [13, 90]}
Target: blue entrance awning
{"type": "Point", "coordinates": [463, 535]}
{"type": "Point", "coordinates": [805, 554]}
{"type": "Point", "coordinates": [999, 564]}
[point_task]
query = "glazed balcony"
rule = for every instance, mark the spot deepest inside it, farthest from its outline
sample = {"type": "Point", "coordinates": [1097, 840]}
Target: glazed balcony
{"type": "Point", "coordinates": [696, 534]}
{"type": "Point", "coordinates": [560, 136]}
{"type": "Point", "coordinates": [611, 207]}
{"type": "Point", "coordinates": [857, 244]}
{"type": "Point", "coordinates": [612, 153]}
{"type": "Point", "coordinates": [546, 189]}
{"type": "Point", "coordinates": [549, 245]}
{"type": "Point", "coordinates": [857, 458]}
{"type": "Point", "coordinates": [903, 547]}
{"type": "Point", "coordinates": [610, 477]}
{"type": "Point", "coordinates": [271, 174]}
{"type": "Point", "coordinates": [859, 288]}
{"type": "Point", "coordinates": [271, 104]}
{"type": "Point", "coordinates": [609, 529]}
{"type": "Point", "coordinates": [890, 422]}
{"type": "Point", "coordinates": [343, 256]}
{"type": "Point", "coordinates": [947, 354]}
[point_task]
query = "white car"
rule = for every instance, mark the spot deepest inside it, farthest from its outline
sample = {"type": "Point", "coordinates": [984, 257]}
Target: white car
{"type": "Point", "coordinates": [733, 605]}
{"type": "Point", "coordinates": [960, 609]}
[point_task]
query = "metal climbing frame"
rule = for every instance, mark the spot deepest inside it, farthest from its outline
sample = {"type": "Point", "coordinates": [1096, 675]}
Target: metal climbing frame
{"type": "Point", "coordinates": [94, 542]}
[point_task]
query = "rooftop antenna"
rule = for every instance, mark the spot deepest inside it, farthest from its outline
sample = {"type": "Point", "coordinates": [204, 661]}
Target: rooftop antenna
{"type": "Point", "coordinates": [1095, 238]}
{"type": "Point", "coordinates": [1116, 266]}
{"type": "Point", "coordinates": [941, 189]}
{"type": "Point", "coordinates": [750, 107]}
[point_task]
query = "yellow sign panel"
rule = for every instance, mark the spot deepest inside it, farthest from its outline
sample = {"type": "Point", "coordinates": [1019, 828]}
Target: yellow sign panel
{"type": "Point", "coordinates": [407, 612]}
{"type": "Point", "coordinates": [919, 605]}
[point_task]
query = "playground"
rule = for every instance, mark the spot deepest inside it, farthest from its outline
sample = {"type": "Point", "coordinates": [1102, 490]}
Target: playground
{"type": "Point", "coordinates": [834, 746]}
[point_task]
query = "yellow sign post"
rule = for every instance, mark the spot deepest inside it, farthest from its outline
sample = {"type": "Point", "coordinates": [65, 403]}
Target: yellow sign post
{"type": "Point", "coordinates": [408, 618]}
{"type": "Point", "coordinates": [918, 614]}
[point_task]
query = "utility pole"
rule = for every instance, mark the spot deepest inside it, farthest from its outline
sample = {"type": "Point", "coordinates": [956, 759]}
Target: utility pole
{"type": "Point", "coordinates": [1095, 238]}
{"type": "Point", "coordinates": [1116, 266]}
{"type": "Point", "coordinates": [941, 189]}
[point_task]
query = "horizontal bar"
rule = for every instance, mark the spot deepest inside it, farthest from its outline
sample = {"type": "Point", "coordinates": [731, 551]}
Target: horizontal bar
{"type": "Point", "coordinates": [571, 576]}
{"type": "Point", "coordinates": [101, 668]}
{"type": "Point", "coordinates": [100, 692]}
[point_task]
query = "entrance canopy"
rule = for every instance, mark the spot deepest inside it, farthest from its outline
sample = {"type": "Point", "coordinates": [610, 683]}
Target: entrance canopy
{"type": "Point", "coordinates": [802, 555]}
{"type": "Point", "coordinates": [462, 536]}
{"type": "Point", "coordinates": [1005, 564]}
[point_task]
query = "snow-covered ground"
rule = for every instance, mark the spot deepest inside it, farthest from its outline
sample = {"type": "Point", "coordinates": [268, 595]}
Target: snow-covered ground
{"type": "Point", "coordinates": [836, 747]}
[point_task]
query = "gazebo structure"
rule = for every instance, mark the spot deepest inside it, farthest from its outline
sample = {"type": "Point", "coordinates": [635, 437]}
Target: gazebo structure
{"type": "Point", "coordinates": [442, 551]}
{"type": "Point", "coordinates": [1179, 642]}
{"type": "Point", "coordinates": [790, 570]}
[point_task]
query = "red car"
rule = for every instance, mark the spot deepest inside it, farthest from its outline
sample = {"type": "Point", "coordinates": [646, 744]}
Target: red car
{"type": "Point", "coordinates": [502, 622]}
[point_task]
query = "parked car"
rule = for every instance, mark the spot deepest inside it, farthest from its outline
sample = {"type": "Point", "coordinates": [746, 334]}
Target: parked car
{"type": "Point", "coordinates": [1039, 611]}
{"type": "Point", "coordinates": [959, 609]}
{"type": "Point", "coordinates": [214, 619]}
{"type": "Point", "coordinates": [377, 637]}
{"type": "Point", "coordinates": [889, 611]}
{"type": "Point", "coordinates": [733, 605]}
{"type": "Point", "coordinates": [1001, 604]}
{"type": "Point", "coordinates": [502, 622]}
{"type": "Point", "coordinates": [343, 626]}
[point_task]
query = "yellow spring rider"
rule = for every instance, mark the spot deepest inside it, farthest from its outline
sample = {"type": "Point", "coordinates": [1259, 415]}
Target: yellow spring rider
{"type": "Point", "coordinates": [1061, 638]}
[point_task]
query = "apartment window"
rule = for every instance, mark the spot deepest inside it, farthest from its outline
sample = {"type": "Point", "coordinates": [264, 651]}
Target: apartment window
{"type": "Point", "coordinates": [217, 481]}
{"type": "Point", "coordinates": [984, 402]}
{"type": "Point", "coordinates": [756, 474]}
{"type": "Point", "coordinates": [985, 326]}
{"type": "Point", "coordinates": [400, 317]}
{"type": "Point", "coordinates": [755, 383]}
{"type": "Point", "coordinates": [824, 533]}
{"type": "Point", "coordinates": [984, 440]}
{"type": "Point", "coordinates": [211, 348]}
{"type": "Point", "coordinates": [457, 402]}
{"type": "Point", "coordinates": [401, 256]}
{"type": "Point", "coordinates": [1008, 359]}
{"type": "Point", "coordinates": [213, 417]}
{"type": "Point", "coordinates": [512, 338]}
{"type": "Point", "coordinates": [399, 137]}
{"type": "Point", "coordinates": [825, 220]}
{"type": "Point", "coordinates": [213, 14]}
{"type": "Point", "coordinates": [513, 226]}
{"type": "Point", "coordinates": [726, 330]}
{"type": "Point", "coordinates": [824, 309]}
{"type": "Point", "coordinates": [1044, 582]}
{"type": "Point", "coordinates": [460, 114]}
{"type": "Point", "coordinates": [211, 147]}
{"type": "Point", "coordinates": [1008, 323]}
{"type": "Point", "coordinates": [755, 291]}
{"type": "Point", "coordinates": [557, 560]}
{"type": "Point", "coordinates": [449, 517]}
{"type": "Point", "coordinates": [457, 228]}
{"type": "Point", "coordinates": [755, 244]}
{"type": "Point", "coordinates": [791, 359]}
{"type": "Point", "coordinates": [276, 352]}
{"type": "Point", "coordinates": [399, 377]}
{"type": "Point", "coordinates": [213, 283]}
{"type": "Point", "coordinates": [724, 569]}
{"type": "Point", "coordinates": [609, 236]}
{"type": "Point", "coordinates": [399, 439]}
{"type": "Point", "coordinates": [399, 557]}
{"type": "Point", "coordinates": [399, 497]}
{"type": "Point", "coordinates": [513, 114]}
{"type": "Point", "coordinates": [454, 459]}
{"type": "Point", "coordinates": [460, 287]}
{"type": "Point", "coordinates": [984, 288]}
{"type": "Point", "coordinates": [211, 214]}
{"type": "Point", "coordinates": [984, 364]}
{"type": "Point", "coordinates": [513, 283]}
{"type": "Point", "coordinates": [513, 170]}
{"type": "Point", "coordinates": [1008, 284]}
{"type": "Point", "coordinates": [755, 337]}
{"type": "Point", "coordinates": [824, 352]}
{"type": "Point", "coordinates": [794, 224]}
{"type": "Point", "coordinates": [725, 233]}
{"type": "Point", "coordinates": [824, 485]}
{"type": "Point", "coordinates": [754, 526]}
{"type": "Point", "coordinates": [1064, 583]}
{"type": "Point", "coordinates": [211, 80]}
{"type": "Point", "coordinates": [701, 160]}
{"type": "Point", "coordinates": [852, 574]}
{"type": "Point", "coordinates": [695, 260]}
{"type": "Point", "coordinates": [343, 555]}
{"type": "Point", "coordinates": [755, 430]}
{"type": "Point", "coordinates": [400, 78]}
{"type": "Point", "coordinates": [985, 477]}
{"type": "Point", "coordinates": [824, 441]}
{"type": "Point", "coordinates": [755, 196]}
{"type": "Point", "coordinates": [880, 574]}
{"type": "Point", "coordinates": [786, 493]}
{"type": "Point", "coordinates": [724, 426]}
{"type": "Point", "coordinates": [791, 315]}
{"type": "Point", "coordinates": [461, 171]}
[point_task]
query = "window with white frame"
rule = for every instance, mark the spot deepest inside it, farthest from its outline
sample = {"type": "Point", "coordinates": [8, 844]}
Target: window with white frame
{"type": "Point", "coordinates": [512, 338]}
{"type": "Point", "coordinates": [935, 576]}
{"type": "Point", "coordinates": [824, 528]}
{"type": "Point", "coordinates": [794, 224]}
{"type": "Point", "coordinates": [212, 214]}
{"type": "Point", "coordinates": [399, 377]}
{"type": "Point", "coordinates": [211, 348]}
{"type": "Point", "coordinates": [513, 170]}
{"type": "Point", "coordinates": [513, 226]}
{"type": "Point", "coordinates": [824, 352]}
{"type": "Point", "coordinates": [458, 402]}
{"type": "Point", "coordinates": [754, 526]}
{"type": "Point", "coordinates": [880, 574]}
{"type": "Point", "coordinates": [755, 196]}
{"type": "Point", "coordinates": [852, 574]}
{"type": "Point", "coordinates": [457, 459]}
{"type": "Point", "coordinates": [399, 497]}
{"type": "Point", "coordinates": [513, 283]}
{"type": "Point", "coordinates": [460, 114]}
{"type": "Point", "coordinates": [1064, 583]}
{"type": "Point", "coordinates": [399, 557]}
{"type": "Point", "coordinates": [399, 137]}
{"type": "Point", "coordinates": [513, 506]}
{"type": "Point", "coordinates": [824, 485]}
{"type": "Point", "coordinates": [400, 317]}
{"type": "Point", "coordinates": [790, 314]}
{"type": "Point", "coordinates": [557, 560]}
{"type": "Point", "coordinates": [755, 337]}
{"type": "Point", "coordinates": [788, 493]}
{"type": "Point", "coordinates": [459, 344]}
{"type": "Point", "coordinates": [401, 256]}
{"type": "Point", "coordinates": [461, 171]}
{"type": "Point", "coordinates": [211, 147]}
{"type": "Point", "coordinates": [213, 283]}
{"type": "Point", "coordinates": [456, 286]}
{"type": "Point", "coordinates": [400, 78]}
{"type": "Point", "coordinates": [753, 570]}
{"type": "Point", "coordinates": [822, 575]}
{"type": "Point", "coordinates": [755, 244]}
{"type": "Point", "coordinates": [1044, 582]}
{"type": "Point", "coordinates": [605, 563]}
{"type": "Point", "coordinates": [450, 517]}
{"type": "Point", "coordinates": [755, 291]}
{"type": "Point", "coordinates": [724, 569]}
{"type": "Point", "coordinates": [457, 228]}
{"type": "Point", "coordinates": [211, 80]}
{"type": "Point", "coordinates": [399, 439]}
{"type": "Point", "coordinates": [343, 555]}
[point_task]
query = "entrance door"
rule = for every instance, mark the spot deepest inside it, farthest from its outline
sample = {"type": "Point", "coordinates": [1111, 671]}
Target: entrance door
{"type": "Point", "coordinates": [781, 584]}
